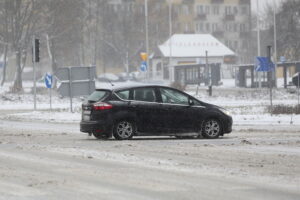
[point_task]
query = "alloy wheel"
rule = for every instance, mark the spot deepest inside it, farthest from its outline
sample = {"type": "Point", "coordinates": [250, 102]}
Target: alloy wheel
{"type": "Point", "coordinates": [124, 130]}
{"type": "Point", "coordinates": [212, 129]}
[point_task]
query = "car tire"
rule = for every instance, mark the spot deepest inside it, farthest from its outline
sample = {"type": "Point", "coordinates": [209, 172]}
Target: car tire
{"type": "Point", "coordinates": [211, 128]}
{"type": "Point", "coordinates": [101, 136]}
{"type": "Point", "coordinates": [124, 130]}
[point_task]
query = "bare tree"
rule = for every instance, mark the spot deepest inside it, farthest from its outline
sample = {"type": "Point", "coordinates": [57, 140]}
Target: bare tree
{"type": "Point", "coordinates": [288, 28]}
{"type": "Point", "coordinates": [22, 18]}
{"type": "Point", "coordinates": [63, 31]}
{"type": "Point", "coordinates": [4, 37]}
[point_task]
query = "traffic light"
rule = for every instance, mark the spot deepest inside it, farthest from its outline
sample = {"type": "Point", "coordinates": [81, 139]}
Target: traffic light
{"type": "Point", "coordinates": [37, 50]}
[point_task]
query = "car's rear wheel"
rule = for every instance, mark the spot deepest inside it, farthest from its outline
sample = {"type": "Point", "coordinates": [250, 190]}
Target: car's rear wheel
{"type": "Point", "coordinates": [123, 130]}
{"type": "Point", "coordinates": [211, 128]}
{"type": "Point", "coordinates": [101, 136]}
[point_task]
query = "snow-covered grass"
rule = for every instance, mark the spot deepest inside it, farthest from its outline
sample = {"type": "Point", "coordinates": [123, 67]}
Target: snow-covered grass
{"type": "Point", "coordinates": [247, 106]}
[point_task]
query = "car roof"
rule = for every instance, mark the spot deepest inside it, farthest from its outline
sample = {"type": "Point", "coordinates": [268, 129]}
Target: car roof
{"type": "Point", "coordinates": [116, 87]}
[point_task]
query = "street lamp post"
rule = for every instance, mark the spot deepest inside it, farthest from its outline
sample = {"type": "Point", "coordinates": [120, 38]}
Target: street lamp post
{"type": "Point", "coordinates": [258, 41]}
{"type": "Point", "coordinates": [170, 31]}
{"type": "Point", "coordinates": [147, 37]}
{"type": "Point", "coordinates": [275, 42]}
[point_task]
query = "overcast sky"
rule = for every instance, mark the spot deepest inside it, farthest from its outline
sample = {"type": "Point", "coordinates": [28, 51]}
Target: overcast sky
{"type": "Point", "coordinates": [262, 3]}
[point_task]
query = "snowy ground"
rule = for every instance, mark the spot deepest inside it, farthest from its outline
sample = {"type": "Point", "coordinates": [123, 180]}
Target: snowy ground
{"type": "Point", "coordinates": [44, 156]}
{"type": "Point", "coordinates": [54, 161]}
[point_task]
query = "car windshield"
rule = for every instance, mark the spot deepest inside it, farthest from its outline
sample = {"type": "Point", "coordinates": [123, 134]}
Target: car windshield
{"type": "Point", "coordinates": [97, 95]}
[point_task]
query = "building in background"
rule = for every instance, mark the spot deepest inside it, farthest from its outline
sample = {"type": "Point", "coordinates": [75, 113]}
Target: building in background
{"type": "Point", "coordinates": [228, 20]}
{"type": "Point", "coordinates": [188, 54]}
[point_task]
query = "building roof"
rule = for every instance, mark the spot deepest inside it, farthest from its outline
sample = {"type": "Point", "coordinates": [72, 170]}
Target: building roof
{"type": "Point", "coordinates": [194, 45]}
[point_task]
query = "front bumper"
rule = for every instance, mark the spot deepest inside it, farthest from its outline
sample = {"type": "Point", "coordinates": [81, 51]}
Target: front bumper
{"type": "Point", "coordinates": [227, 125]}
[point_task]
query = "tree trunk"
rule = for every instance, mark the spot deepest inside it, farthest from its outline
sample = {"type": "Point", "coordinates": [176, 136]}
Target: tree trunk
{"type": "Point", "coordinates": [4, 65]}
{"type": "Point", "coordinates": [18, 78]}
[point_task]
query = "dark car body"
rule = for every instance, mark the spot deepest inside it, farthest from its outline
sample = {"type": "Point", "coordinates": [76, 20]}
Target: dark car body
{"type": "Point", "coordinates": [152, 109]}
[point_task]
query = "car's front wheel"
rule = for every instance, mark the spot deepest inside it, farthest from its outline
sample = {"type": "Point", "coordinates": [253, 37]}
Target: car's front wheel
{"type": "Point", "coordinates": [123, 130]}
{"type": "Point", "coordinates": [211, 129]}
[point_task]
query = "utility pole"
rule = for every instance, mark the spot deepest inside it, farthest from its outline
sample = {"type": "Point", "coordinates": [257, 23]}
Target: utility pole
{"type": "Point", "coordinates": [275, 42]}
{"type": "Point", "coordinates": [34, 73]}
{"type": "Point", "coordinates": [258, 41]}
{"type": "Point", "coordinates": [35, 59]}
{"type": "Point", "coordinates": [147, 38]}
{"type": "Point", "coordinates": [170, 33]}
{"type": "Point", "coordinates": [209, 75]}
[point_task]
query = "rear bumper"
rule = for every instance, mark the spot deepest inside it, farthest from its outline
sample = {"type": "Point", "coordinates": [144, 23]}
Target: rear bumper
{"type": "Point", "coordinates": [95, 126]}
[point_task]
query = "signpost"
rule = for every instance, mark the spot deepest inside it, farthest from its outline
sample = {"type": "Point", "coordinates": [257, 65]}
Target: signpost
{"type": "Point", "coordinates": [264, 64]}
{"type": "Point", "coordinates": [76, 81]}
{"type": "Point", "coordinates": [143, 66]}
{"type": "Point", "coordinates": [49, 83]}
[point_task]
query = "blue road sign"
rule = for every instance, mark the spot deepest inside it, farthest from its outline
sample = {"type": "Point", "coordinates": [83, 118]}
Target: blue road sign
{"type": "Point", "coordinates": [264, 65]}
{"type": "Point", "coordinates": [48, 80]}
{"type": "Point", "coordinates": [144, 66]}
{"type": "Point", "coordinates": [282, 59]}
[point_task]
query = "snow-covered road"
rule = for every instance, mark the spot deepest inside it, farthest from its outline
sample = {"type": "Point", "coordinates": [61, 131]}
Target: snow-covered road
{"type": "Point", "coordinates": [41, 160]}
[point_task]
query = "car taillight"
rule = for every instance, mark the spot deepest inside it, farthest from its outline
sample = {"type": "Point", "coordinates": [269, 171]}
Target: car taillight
{"type": "Point", "coordinates": [102, 106]}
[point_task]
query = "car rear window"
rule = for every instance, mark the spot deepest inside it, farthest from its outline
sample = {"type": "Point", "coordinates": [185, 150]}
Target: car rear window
{"type": "Point", "coordinates": [97, 95]}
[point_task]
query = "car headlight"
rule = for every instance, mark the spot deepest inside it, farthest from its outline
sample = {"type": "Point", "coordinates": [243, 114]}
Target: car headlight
{"type": "Point", "coordinates": [225, 111]}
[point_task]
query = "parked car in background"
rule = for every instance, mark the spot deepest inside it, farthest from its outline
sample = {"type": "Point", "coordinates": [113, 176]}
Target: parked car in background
{"type": "Point", "coordinates": [124, 112]}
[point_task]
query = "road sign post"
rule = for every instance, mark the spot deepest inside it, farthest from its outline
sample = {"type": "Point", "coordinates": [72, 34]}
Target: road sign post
{"type": "Point", "coordinates": [49, 83]}
{"type": "Point", "coordinates": [270, 77]}
{"type": "Point", "coordinates": [264, 64]}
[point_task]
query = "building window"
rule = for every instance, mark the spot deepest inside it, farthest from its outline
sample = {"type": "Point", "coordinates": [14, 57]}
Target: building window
{"type": "Point", "coordinates": [186, 27]}
{"type": "Point", "coordinates": [235, 10]}
{"type": "Point", "coordinates": [185, 10]}
{"type": "Point", "coordinates": [207, 10]}
{"type": "Point", "coordinates": [200, 10]}
{"type": "Point", "coordinates": [244, 10]}
{"type": "Point", "coordinates": [235, 27]}
{"type": "Point", "coordinates": [228, 10]}
{"type": "Point", "coordinates": [236, 44]}
{"type": "Point", "coordinates": [199, 27]}
{"type": "Point", "coordinates": [214, 27]}
{"type": "Point", "coordinates": [207, 27]}
{"type": "Point", "coordinates": [216, 10]}
{"type": "Point", "coordinates": [242, 27]}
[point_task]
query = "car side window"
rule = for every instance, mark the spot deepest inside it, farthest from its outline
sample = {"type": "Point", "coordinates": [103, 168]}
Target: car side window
{"type": "Point", "coordinates": [123, 94]}
{"type": "Point", "coordinates": [144, 94]}
{"type": "Point", "coordinates": [173, 97]}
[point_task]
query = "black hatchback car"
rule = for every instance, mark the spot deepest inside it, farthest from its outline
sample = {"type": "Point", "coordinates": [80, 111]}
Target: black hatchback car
{"type": "Point", "coordinates": [153, 110]}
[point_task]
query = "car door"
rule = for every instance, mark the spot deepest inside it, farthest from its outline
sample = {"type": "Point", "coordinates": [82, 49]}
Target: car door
{"type": "Point", "coordinates": [144, 102]}
{"type": "Point", "coordinates": [179, 112]}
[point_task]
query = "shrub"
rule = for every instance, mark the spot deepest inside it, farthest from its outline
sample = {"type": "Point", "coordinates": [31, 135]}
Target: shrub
{"type": "Point", "coordinates": [284, 109]}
